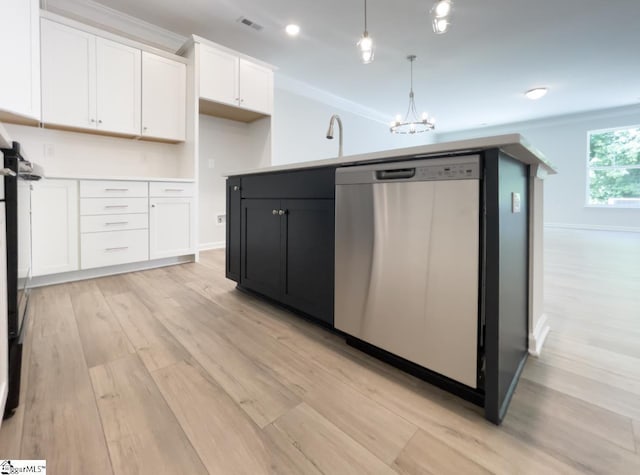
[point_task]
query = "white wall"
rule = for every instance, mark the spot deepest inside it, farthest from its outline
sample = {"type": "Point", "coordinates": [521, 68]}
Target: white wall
{"type": "Point", "coordinates": [232, 146]}
{"type": "Point", "coordinates": [563, 140]}
{"type": "Point", "coordinates": [300, 125]}
{"type": "Point", "coordinates": [72, 154]}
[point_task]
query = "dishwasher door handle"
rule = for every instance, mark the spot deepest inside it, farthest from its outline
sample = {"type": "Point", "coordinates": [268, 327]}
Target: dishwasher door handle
{"type": "Point", "coordinates": [395, 174]}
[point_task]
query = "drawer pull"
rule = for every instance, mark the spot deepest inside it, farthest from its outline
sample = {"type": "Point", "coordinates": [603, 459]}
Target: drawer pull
{"type": "Point", "coordinates": [117, 223]}
{"type": "Point", "coordinates": [111, 249]}
{"type": "Point", "coordinates": [116, 189]}
{"type": "Point", "coordinates": [174, 189]}
{"type": "Point", "coordinates": [116, 206]}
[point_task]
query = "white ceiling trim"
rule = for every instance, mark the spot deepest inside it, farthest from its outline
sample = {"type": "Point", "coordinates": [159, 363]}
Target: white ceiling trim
{"type": "Point", "coordinates": [304, 89]}
{"type": "Point", "coordinates": [117, 22]}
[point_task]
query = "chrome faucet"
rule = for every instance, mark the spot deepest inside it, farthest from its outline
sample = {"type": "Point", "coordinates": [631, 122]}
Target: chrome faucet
{"type": "Point", "coordinates": [334, 118]}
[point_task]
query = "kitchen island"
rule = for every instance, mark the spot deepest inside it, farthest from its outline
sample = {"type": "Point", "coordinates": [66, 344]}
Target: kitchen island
{"type": "Point", "coordinates": [282, 244]}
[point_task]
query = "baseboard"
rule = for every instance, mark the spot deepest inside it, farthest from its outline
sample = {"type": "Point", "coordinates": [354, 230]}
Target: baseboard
{"type": "Point", "coordinates": [538, 336]}
{"type": "Point", "coordinates": [53, 279]}
{"type": "Point", "coordinates": [593, 227]}
{"type": "Point", "coordinates": [209, 246]}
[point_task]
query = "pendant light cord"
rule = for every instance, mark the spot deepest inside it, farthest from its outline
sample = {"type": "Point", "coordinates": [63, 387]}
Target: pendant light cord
{"type": "Point", "coordinates": [365, 16]}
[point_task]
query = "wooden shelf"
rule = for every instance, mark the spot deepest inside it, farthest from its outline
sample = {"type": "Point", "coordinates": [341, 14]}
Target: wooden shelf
{"type": "Point", "coordinates": [224, 111]}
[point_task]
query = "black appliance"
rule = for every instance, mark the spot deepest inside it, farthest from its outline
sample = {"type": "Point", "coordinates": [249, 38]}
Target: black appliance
{"type": "Point", "coordinates": [18, 218]}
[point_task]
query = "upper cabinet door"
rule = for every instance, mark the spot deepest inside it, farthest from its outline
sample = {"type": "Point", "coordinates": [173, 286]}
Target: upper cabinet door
{"type": "Point", "coordinates": [256, 87]}
{"type": "Point", "coordinates": [118, 87]}
{"type": "Point", "coordinates": [20, 53]}
{"type": "Point", "coordinates": [68, 76]}
{"type": "Point", "coordinates": [218, 76]}
{"type": "Point", "coordinates": [164, 92]}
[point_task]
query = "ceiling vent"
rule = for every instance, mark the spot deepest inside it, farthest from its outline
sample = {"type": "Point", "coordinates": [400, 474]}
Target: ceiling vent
{"type": "Point", "coordinates": [252, 24]}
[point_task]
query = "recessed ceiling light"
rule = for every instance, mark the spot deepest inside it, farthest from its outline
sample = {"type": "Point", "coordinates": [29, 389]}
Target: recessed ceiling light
{"type": "Point", "coordinates": [537, 93]}
{"type": "Point", "coordinates": [292, 29]}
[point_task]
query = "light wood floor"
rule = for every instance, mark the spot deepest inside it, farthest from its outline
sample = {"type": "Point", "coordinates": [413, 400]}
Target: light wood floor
{"type": "Point", "coordinates": [175, 371]}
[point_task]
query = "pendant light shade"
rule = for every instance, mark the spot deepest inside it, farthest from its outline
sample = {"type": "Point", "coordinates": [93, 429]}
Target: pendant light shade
{"type": "Point", "coordinates": [441, 16]}
{"type": "Point", "coordinates": [365, 45]}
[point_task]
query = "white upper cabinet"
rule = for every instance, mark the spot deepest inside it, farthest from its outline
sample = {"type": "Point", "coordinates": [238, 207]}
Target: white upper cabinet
{"type": "Point", "coordinates": [256, 87]}
{"type": "Point", "coordinates": [89, 82]}
{"type": "Point", "coordinates": [230, 79]}
{"type": "Point", "coordinates": [219, 76]}
{"type": "Point", "coordinates": [118, 87]}
{"type": "Point", "coordinates": [68, 76]}
{"type": "Point", "coordinates": [20, 54]}
{"type": "Point", "coordinates": [164, 94]}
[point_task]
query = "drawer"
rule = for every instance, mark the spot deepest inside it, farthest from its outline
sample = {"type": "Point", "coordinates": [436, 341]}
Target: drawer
{"type": "Point", "coordinates": [165, 188]}
{"type": "Point", "coordinates": [92, 206]}
{"type": "Point", "coordinates": [113, 189]}
{"type": "Point", "coordinates": [113, 222]}
{"type": "Point", "coordinates": [317, 183]}
{"type": "Point", "coordinates": [113, 248]}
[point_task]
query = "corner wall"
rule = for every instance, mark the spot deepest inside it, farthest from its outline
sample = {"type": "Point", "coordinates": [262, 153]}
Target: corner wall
{"type": "Point", "coordinates": [563, 140]}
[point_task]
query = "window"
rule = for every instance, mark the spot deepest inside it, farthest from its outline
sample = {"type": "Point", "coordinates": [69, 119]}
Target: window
{"type": "Point", "coordinates": [614, 168]}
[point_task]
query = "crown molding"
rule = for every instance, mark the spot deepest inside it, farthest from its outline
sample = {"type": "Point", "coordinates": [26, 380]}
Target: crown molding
{"type": "Point", "coordinates": [295, 86]}
{"type": "Point", "coordinates": [96, 14]}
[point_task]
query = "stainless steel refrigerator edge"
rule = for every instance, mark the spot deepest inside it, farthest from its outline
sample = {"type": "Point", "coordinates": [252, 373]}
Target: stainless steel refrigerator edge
{"type": "Point", "coordinates": [407, 261]}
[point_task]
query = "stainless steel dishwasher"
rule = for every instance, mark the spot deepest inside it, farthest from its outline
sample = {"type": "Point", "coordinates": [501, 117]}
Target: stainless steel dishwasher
{"type": "Point", "coordinates": [407, 260]}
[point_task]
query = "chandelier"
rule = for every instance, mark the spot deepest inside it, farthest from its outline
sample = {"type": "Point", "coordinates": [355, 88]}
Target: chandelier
{"type": "Point", "coordinates": [411, 123]}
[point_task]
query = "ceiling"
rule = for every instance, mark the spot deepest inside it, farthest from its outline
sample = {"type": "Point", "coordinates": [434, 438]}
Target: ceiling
{"type": "Point", "coordinates": [585, 51]}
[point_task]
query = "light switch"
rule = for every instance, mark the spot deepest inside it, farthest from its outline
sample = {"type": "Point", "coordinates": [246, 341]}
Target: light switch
{"type": "Point", "coordinates": [515, 202]}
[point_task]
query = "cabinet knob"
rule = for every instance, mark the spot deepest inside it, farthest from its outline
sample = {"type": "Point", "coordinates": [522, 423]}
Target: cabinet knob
{"type": "Point", "coordinates": [100, 121]}
{"type": "Point", "coordinates": [241, 101]}
{"type": "Point", "coordinates": [274, 212]}
{"type": "Point", "coordinates": [92, 120]}
{"type": "Point", "coordinates": [145, 128]}
{"type": "Point", "coordinates": [236, 188]}
{"type": "Point", "coordinates": [281, 212]}
{"type": "Point", "coordinates": [153, 206]}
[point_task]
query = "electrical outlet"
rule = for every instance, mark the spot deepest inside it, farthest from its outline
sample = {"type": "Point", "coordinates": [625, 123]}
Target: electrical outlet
{"type": "Point", "coordinates": [212, 163]}
{"type": "Point", "coordinates": [222, 218]}
{"type": "Point", "coordinates": [515, 202]}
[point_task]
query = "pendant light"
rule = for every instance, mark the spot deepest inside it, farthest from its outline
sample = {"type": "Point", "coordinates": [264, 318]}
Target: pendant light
{"type": "Point", "coordinates": [365, 45]}
{"type": "Point", "coordinates": [411, 123]}
{"type": "Point", "coordinates": [441, 14]}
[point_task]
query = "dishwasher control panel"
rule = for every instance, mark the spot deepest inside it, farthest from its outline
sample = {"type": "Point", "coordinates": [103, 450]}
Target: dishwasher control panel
{"type": "Point", "coordinates": [458, 171]}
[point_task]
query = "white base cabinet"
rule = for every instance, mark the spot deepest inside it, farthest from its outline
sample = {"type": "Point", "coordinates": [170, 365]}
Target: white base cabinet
{"type": "Point", "coordinates": [171, 220]}
{"type": "Point", "coordinates": [54, 224]}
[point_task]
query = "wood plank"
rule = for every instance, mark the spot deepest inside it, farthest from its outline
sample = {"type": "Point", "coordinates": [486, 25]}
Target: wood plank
{"type": "Point", "coordinates": [600, 394]}
{"type": "Point", "coordinates": [324, 445]}
{"type": "Point", "coordinates": [427, 455]}
{"type": "Point", "coordinates": [153, 342]}
{"type": "Point", "coordinates": [61, 422]}
{"type": "Point", "coordinates": [250, 384]}
{"type": "Point", "coordinates": [142, 433]}
{"type": "Point", "coordinates": [224, 436]}
{"type": "Point", "coordinates": [102, 337]}
{"type": "Point", "coordinates": [571, 433]}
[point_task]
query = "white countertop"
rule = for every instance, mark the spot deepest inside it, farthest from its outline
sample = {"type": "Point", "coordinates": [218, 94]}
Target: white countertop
{"type": "Point", "coordinates": [513, 145]}
{"type": "Point", "coordinates": [117, 178]}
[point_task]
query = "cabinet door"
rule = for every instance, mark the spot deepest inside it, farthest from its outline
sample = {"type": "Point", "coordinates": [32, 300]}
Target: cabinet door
{"type": "Point", "coordinates": [54, 224]}
{"type": "Point", "coordinates": [20, 53]}
{"type": "Point", "coordinates": [4, 357]}
{"type": "Point", "coordinates": [171, 226]}
{"type": "Point", "coordinates": [233, 229]}
{"type": "Point", "coordinates": [256, 87]}
{"type": "Point", "coordinates": [68, 76]}
{"type": "Point", "coordinates": [261, 247]}
{"type": "Point", "coordinates": [164, 95]}
{"type": "Point", "coordinates": [118, 83]}
{"type": "Point", "coordinates": [218, 76]}
{"type": "Point", "coordinates": [309, 256]}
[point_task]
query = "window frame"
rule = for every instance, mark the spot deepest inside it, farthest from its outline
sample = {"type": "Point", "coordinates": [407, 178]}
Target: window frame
{"type": "Point", "coordinates": [587, 182]}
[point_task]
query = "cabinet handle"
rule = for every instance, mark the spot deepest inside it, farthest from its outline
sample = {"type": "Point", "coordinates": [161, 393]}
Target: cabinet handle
{"type": "Point", "coordinates": [116, 189]}
{"type": "Point", "coordinates": [117, 223]}
{"type": "Point", "coordinates": [174, 189]}
{"type": "Point", "coordinates": [116, 206]}
{"type": "Point", "coordinates": [7, 172]}
{"type": "Point", "coordinates": [111, 249]}
{"type": "Point", "coordinates": [274, 212]}
{"type": "Point", "coordinates": [281, 212]}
